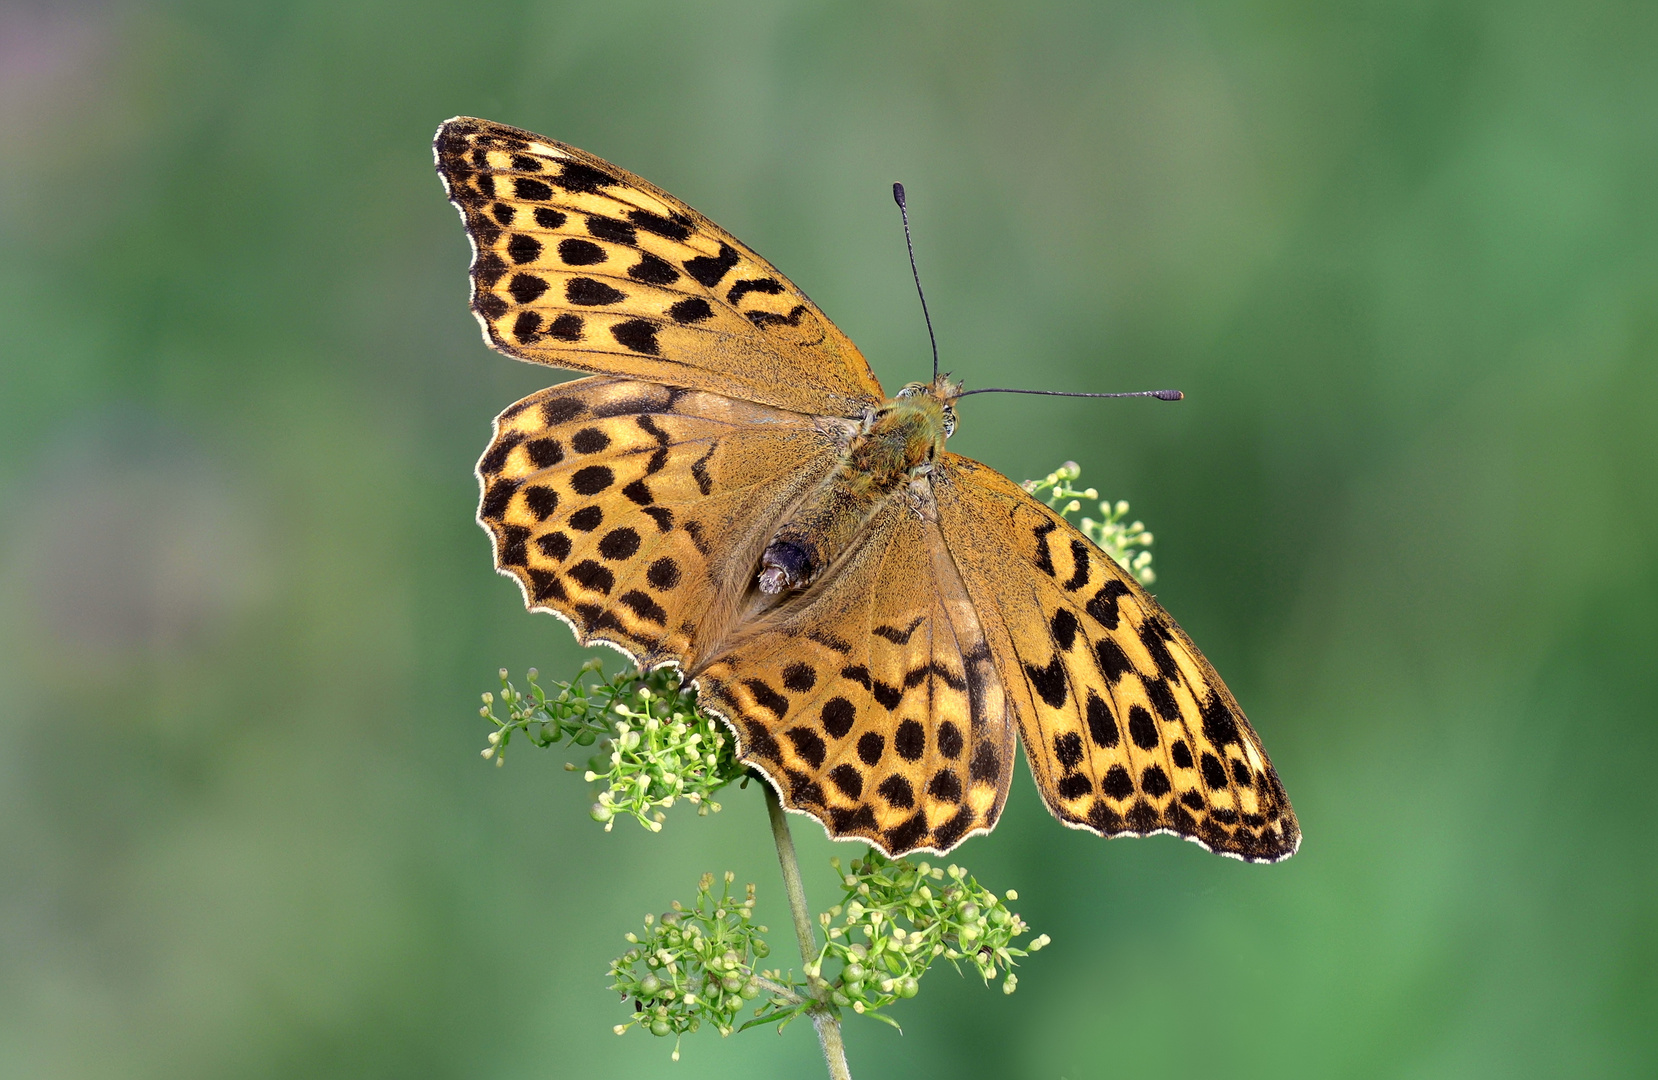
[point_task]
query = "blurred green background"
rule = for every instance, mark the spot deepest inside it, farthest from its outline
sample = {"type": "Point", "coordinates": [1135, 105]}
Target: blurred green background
{"type": "Point", "coordinates": [1402, 258]}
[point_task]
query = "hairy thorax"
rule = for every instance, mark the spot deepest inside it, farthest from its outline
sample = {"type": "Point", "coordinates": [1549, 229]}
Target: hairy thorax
{"type": "Point", "coordinates": [893, 447]}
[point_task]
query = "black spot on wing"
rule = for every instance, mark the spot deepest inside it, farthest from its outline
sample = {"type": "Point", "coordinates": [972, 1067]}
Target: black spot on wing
{"type": "Point", "coordinates": [745, 286]}
{"type": "Point", "coordinates": [1142, 728]}
{"type": "Point", "coordinates": [496, 458]}
{"type": "Point", "coordinates": [1154, 782]}
{"type": "Point", "coordinates": [619, 544]}
{"type": "Point", "coordinates": [617, 232]}
{"type": "Point", "coordinates": [587, 292]}
{"type": "Point", "coordinates": [1162, 699]}
{"type": "Point", "coordinates": [1103, 607]}
{"type": "Point", "coordinates": [544, 453]}
{"type": "Point", "coordinates": [946, 835]}
{"type": "Point", "coordinates": [586, 519]}
{"type": "Point", "coordinates": [582, 178]}
{"type": "Point", "coordinates": [1219, 725]}
{"type": "Point", "coordinates": [1068, 749]}
{"type": "Point", "coordinates": [986, 766]}
{"type": "Point", "coordinates": [591, 575]}
{"type": "Point", "coordinates": [708, 269]}
{"type": "Point", "coordinates": [643, 606]}
{"type": "Point", "coordinates": [589, 441]}
{"type": "Point", "coordinates": [871, 745]}
{"type": "Point", "coordinates": [950, 742]}
{"type": "Point", "coordinates": [592, 479]}
{"type": "Point", "coordinates": [1114, 663]}
{"type": "Point", "coordinates": [1064, 627]}
{"type": "Point", "coordinates": [848, 780]}
{"type": "Point", "coordinates": [567, 327]}
{"type": "Point", "coordinates": [489, 269]}
{"type": "Point", "coordinates": [767, 698]}
{"type": "Point", "coordinates": [910, 740]}
{"type": "Point", "coordinates": [799, 677]}
{"type": "Point", "coordinates": [545, 586]}
{"type": "Point", "coordinates": [541, 500]}
{"type": "Point", "coordinates": [1050, 681]}
{"type": "Point", "coordinates": [1181, 754]}
{"type": "Point", "coordinates": [523, 248]}
{"type": "Point", "coordinates": [533, 190]}
{"type": "Point", "coordinates": [653, 271]}
{"type": "Point", "coordinates": [1044, 559]}
{"type": "Point", "coordinates": [699, 471]}
{"type": "Point", "coordinates": [1117, 783]}
{"type": "Point", "coordinates": [1214, 773]}
{"type": "Point", "coordinates": [527, 327]}
{"type": "Point", "coordinates": [1079, 556]}
{"type": "Point", "coordinates": [677, 227]}
{"type": "Point", "coordinates": [838, 715]}
{"type": "Point", "coordinates": [526, 288]}
{"type": "Point", "coordinates": [1074, 786]}
{"type": "Point", "coordinates": [691, 310]}
{"type": "Point", "coordinates": [554, 545]}
{"type": "Point", "coordinates": [897, 792]}
{"type": "Point", "coordinates": [912, 831]}
{"type": "Point", "coordinates": [663, 574]}
{"type": "Point", "coordinates": [808, 744]}
{"type": "Point", "coordinates": [496, 497]}
{"type": "Point", "coordinates": [561, 410]}
{"type": "Point", "coordinates": [637, 335]}
{"type": "Point", "coordinates": [945, 785]}
{"type": "Point", "coordinates": [512, 545]}
{"type": "Point", "coordinates": [1102, 726]}
{"type": "Point", "coordinates": [548, 218]}
{"type": "Point", "coordinates": [576, 252]}
{"type": "Point", "coordinates": [897, 636]}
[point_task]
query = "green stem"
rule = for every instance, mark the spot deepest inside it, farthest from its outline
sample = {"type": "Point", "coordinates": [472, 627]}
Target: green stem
{"type": "Point", "coordinates": [823, 1017]}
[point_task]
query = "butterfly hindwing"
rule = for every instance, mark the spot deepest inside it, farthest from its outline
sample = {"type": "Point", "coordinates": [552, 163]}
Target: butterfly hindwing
{"type": "Point", "coordinates": [872, 701]}
{"type": "Point", "coordinates": [582, 265]}
{"type": "Point", "coordinates": [637, 511]}
{"type": "Point", "coordinates": [1127, 728]}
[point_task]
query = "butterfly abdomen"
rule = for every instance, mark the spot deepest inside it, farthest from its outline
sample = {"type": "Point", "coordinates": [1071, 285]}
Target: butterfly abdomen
{"type": "Point", "coordinates": [881, 460]}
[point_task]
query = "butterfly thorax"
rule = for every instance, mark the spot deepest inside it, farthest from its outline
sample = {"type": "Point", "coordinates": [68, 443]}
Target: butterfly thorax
{"type": "Point", "coordinates": [895, 445]}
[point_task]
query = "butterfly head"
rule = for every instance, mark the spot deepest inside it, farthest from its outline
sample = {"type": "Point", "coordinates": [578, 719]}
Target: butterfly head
{"type": "Point", "coordinates": [939, 395]}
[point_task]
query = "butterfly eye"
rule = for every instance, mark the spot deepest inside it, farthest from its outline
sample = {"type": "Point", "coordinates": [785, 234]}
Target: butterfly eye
{"type": "Point", "coordinates": [949, 422]}
{"type": "Point", "coordinates": [909, 391]}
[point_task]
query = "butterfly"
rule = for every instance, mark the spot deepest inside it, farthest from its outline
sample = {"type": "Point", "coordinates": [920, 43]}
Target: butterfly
{"type": "Point", "coordinates": [731, 492]}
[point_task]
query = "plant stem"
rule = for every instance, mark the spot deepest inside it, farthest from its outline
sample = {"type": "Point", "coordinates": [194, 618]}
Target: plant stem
{"type": "Point", "coordinates": [823, 1017]}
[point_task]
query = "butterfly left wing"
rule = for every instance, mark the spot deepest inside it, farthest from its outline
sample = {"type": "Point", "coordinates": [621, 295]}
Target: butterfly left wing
{"type": "Point", "coordinates": [871, 701]}
{"type": "Point", "coordinates": [1127, 728]}
{"type": "Point", "coordinates": [636, 512]}
{"type": "Point", "coordinates": [580, 264]}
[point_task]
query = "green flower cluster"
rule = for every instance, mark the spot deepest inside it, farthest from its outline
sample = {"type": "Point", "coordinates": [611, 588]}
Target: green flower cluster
{"type": "Point", "coordinates": [1127, 543]}
{"type": "Point", "coordinates": [652, 746]}
{"type": "Point", "coordinates": [695, 965]}
{"type": "Point", "coordinates": [898, 917]}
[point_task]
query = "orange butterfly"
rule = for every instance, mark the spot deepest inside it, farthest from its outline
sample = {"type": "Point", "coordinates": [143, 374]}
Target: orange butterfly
{"type": "Point", "coordinates": [733, 493]}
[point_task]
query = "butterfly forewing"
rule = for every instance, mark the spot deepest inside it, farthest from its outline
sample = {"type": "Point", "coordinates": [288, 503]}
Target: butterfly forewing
{"type": "Point", "coordinates": [582, 265]}
{"type": "Point", "coordinates": [872, 702]}
{"type": "Point", "coordinates": [637, 511]}
{"type": "Point", "coordinates": [1127, 728]}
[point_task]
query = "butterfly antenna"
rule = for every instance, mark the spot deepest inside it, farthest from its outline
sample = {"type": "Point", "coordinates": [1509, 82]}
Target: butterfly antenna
{"type": "Point", "coordinates": [1161, 395]}
{"type": "Point", "coordinates": [904, 212]}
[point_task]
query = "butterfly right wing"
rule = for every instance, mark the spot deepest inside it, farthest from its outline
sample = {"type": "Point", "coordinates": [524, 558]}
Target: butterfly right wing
{"type": "Point", "coordinates": [637, 512]}
{"type": "Point", "coordinates": [580, 264]}
{"type": "Point", "coordinates": [1127, 728]}
{"type": "Point", "coordinates": [871, 701]}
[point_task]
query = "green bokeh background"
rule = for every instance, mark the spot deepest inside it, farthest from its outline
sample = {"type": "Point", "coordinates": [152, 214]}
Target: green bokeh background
{"type": "Point", "coordinates": [1402, 258]}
